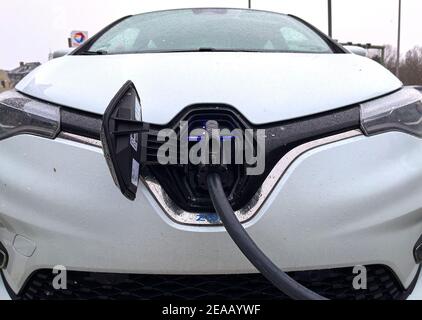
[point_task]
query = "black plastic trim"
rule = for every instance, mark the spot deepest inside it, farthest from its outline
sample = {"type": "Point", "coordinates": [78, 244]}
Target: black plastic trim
{"type": "Point", "coordinates": [335, 121]}
{"type": "Point", "coordinates": [17, 296]}
{"type": "Point", "coordinates": [6, 256]}
{"type": "Point", "coordinates": [417, 251]}
{"type": "Point", "coordinates": [80, 123]}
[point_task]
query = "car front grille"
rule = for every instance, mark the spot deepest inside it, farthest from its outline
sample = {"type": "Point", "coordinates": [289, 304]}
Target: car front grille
{"type": "Point", "coordinates": [185, 184]}
{"type": "Point", "coordinates": [333, 284]}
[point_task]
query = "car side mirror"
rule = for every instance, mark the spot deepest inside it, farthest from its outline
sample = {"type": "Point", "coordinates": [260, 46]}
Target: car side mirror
{"type": "Point", "coordinates": [357, 50]}
{"type": "Point", "coordinates": [60, 53]}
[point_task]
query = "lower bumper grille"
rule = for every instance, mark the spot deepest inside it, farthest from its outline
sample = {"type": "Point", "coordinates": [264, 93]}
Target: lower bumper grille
{"type": "Point", "coordinates": [334, 284]}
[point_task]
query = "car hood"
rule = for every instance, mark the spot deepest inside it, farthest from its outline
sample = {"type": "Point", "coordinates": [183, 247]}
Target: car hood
{"type": "Point", "coordinates": [264, 87]}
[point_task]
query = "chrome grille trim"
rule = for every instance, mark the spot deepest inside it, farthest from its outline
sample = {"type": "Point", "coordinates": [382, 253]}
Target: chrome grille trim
{"type": "Point", "coordinates": [80, 139]}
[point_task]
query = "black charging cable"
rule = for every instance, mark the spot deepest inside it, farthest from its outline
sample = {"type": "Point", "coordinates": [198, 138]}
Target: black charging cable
{"type": "Point", "coordinates": [269, 270]}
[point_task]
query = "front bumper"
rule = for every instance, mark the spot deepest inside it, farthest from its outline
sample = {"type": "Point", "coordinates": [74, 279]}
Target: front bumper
{"type": "Point", "coordinates": [354, 202]}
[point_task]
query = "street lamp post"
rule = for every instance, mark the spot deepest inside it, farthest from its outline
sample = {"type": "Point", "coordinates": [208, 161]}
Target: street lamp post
{"type": "Point", "coordinates": [398, 43]}
{"type": "Point", "coordinates": [330, 19]}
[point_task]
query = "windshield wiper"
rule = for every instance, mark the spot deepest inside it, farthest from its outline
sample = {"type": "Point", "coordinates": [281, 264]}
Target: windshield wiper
{"type": "Point", "coordinates": [94, 53]}
{"type": "Point", "coordinates": [206, 49]}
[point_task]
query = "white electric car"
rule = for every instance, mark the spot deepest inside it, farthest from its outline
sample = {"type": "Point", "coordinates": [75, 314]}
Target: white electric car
{"type": "Point", "coordinates": [340, 196]}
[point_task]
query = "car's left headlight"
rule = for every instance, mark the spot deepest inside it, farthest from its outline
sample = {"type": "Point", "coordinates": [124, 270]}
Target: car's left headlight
{"type": "Point", "coordinates": [20, 114]}
{"type": "Point", "coordinates": [399, 111]}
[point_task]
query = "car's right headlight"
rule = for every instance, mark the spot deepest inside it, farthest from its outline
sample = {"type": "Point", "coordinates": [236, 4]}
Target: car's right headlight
{"type": "Point", "coordinates": [399, 111]}
{"type": "Point", "coordinates": [20, 114]}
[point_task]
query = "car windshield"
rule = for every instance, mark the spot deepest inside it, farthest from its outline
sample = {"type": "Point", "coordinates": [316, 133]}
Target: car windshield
{"type": "Point", "coordinates": [209, 30]}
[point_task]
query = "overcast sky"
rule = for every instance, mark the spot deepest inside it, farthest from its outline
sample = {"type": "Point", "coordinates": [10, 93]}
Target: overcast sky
{"type": "Point", "coordinates": [31, 29]}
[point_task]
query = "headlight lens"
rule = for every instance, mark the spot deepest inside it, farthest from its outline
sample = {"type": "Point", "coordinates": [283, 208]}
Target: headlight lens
{"type": "Point", "coordinates": [400, 111]}
{"type": "Point", "coordinates": [22, 115]}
